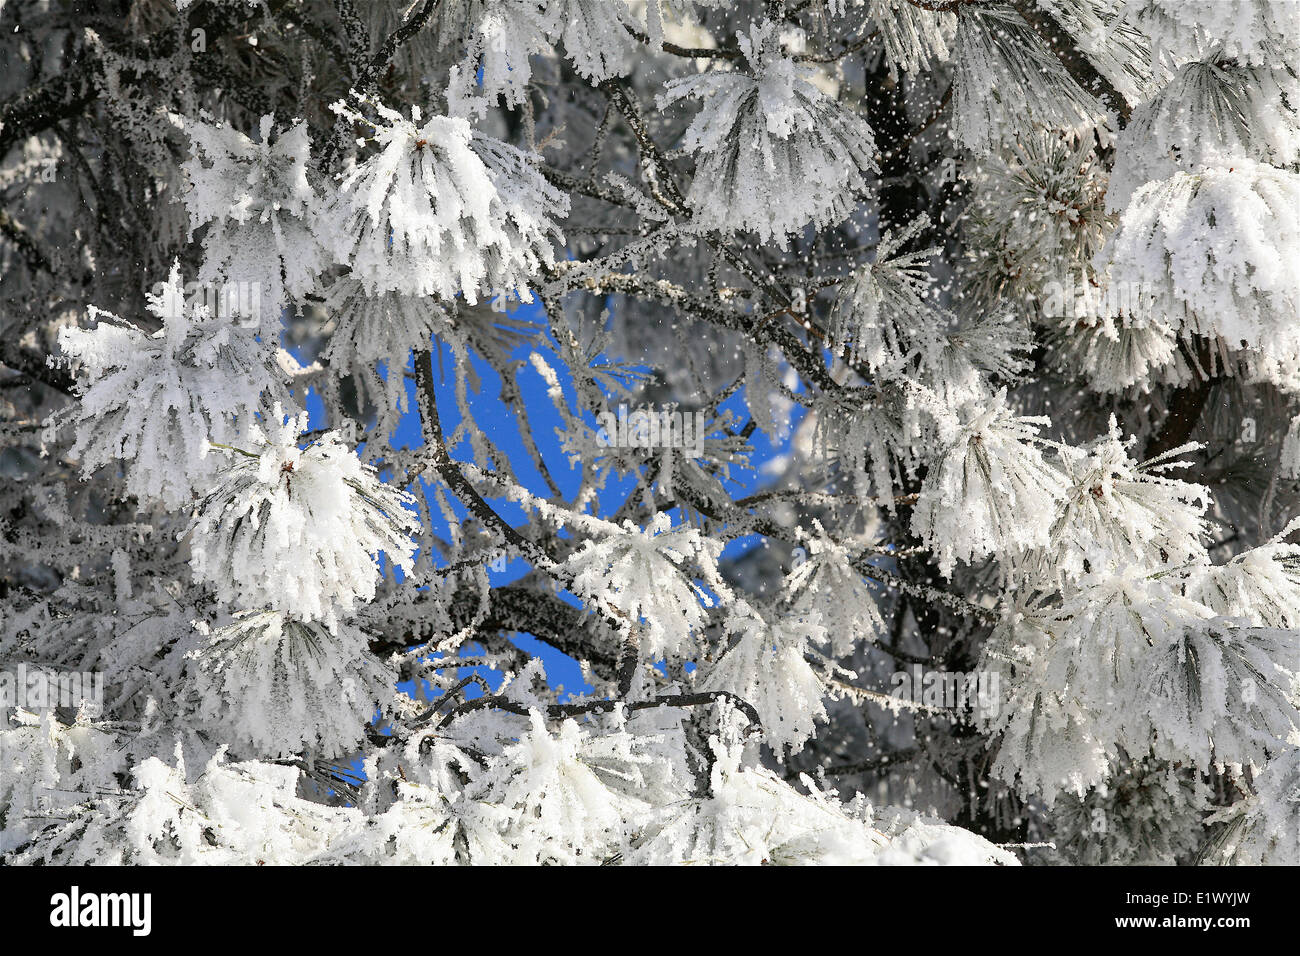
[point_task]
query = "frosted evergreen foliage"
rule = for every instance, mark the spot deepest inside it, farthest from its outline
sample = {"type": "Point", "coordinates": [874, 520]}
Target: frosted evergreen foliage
{"type": "Point", "coordinates": [1216, 252]}
{"type": "Point", "coordinates": [882, 314]}
{"type": "Point", "coordinates": [765, 663]}
{"type": "Point", "coordinates": [1121, 351]}
{"type": "Point", "coordinates": [1211, 692]}
{"type": "Point", "coordinates": [1147, 815]}
{"type": "Point", "coordinates": [683, 432]}
{"type": "Point", "coordinates": [773, 152]}
{"type": "Point", "coordinates": [1039, 218]}
{"type": "Point", "coordinates": [645, 575]}
{"type": "Point", "coordinates": [260, 211]}
{"type": "Point", "coordinates": [279, 504]}
{"type": "Point", "coordinates": [1264, 829]}
{"type": "Point", "coordinates": [1261, 585]}
{"type": "Point", "coordinates": [1005, 75]}
{"type": "Point", "coordinates": [1253, 31]}
{"type": "Point", "coordinates": [232, 813]}
{"type": "Point", "coordinates": [276, 686]}
{"type": "Point", "coordinates": [1121, 511]}
{"type": "Point", "coordinates": [990, 491]}
{"type": "Point", "coordinates": [46, 766]}
{"type": "Point", "coordinates": [1212, 113]}
{"type": "Point", "coordinates": [824, 586]}
{"type": "Point", "coordinates": [914, 38]}
{"type": "Point", "coordinates": [385, 329]}
{"type": "Point", "coordinates": [151, 403]}
{"type": "Point", "coordinates": [437, 212]}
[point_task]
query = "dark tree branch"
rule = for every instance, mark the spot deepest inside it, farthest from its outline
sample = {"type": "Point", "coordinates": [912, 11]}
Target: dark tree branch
{"type": "Point", "coordinates": [1185, 407]}
{"type": "Point", "coordinates": [1074, 60]}
{"type": "Point", "coordinates": [39, 107]}
{"type": "Point", "coordinates": [394, 42]}
{"type": "Point", "coordinates": [459, 484]}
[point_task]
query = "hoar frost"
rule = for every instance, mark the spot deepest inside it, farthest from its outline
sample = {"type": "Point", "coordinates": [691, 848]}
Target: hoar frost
{"type": "Point", "coordinates": [988, 339]}
{"type": "Point", "coordinates": [437, 211]}
{"type": "Point", "coordinates": [773, 152]}
{"type": "Point", "coordinates": [299, 530]}
{"type": "Point", "coordinates": [154, 401]}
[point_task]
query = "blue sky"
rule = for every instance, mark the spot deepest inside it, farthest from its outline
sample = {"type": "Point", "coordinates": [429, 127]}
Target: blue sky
{"type": "Point", "coordinates": [499, 423]}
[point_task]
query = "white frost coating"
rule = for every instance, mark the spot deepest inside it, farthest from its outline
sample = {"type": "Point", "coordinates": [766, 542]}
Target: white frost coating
{"type": "Point", "coordinates": [566, 797]}
{"type": "Point", "coordinates": [382, 328]}
{"type": "Point", "coordinates": [1129, 666]}
{"type": "Point", "coordinates": [827, 588]}
{"type": "Point", "coordinates": [1255, 31]}
{"type": "Point", "coordinates": [299, 530]}
{"type": "Point", "coordinates": [1122, 350]}
{"type": "Point", "coordinates": [273, 686]}
{"type": "Point", "coordinates": [1261, 585]}
{"type": "Point", "coordinates": [1117, 511]}
{"type": "Point", "coordinates": [44, 763]}
{"type": "Point", "coordinates": [1047, 744]}
{"type": "Point", "coordinates": [919, 840]}
{"type": "Point", "coordinates": [557, 799]}
{"type": "Point", "coordinates": [773, 153]}
{"type": "Point", "coordinates": [753, 817]}
{"type": "Point", "coordinates": [927, 393]}
{"type": "Point", "coordinates": [152, 402]}
{"type": "Point", "coordinates": [1068, 699]}
{"type": "Point", "coordinates": [260, 212]}
{"type": "Point", "coordinates": [915, 38]}
{"type": "Point", "coordinates": [233, 813]}
{"type": "Point", "coordinates": [507, 34]}
{"type": "Point", "coordinates": [442, 211]}
{"type": "Point", "coordinates": [595, 36]}
{"type": "Point", "coordinates": [881, 310]}
{"type": "Point", "coordinates": [1006, 78]}
{"type": "Point", "coordinates": [1224, 695]}
{"type": "Point", "coordinates": [990, 490]}
{"type": "Point", "coordinates": [645, 576]}
{"type": "Point", "coordinates": [1217, 253]}
{"type": "Point", "coordinates": [1209, 114]}
{"type": "Point", "coordinates": [1264, 828]}
{"type": "Point", "coordinates": [765, 665]}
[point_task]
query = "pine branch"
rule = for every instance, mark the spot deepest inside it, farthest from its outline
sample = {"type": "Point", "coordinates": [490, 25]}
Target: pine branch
{"type": "Point", "coordinates": [562, 711]}
{"type": "Point", "coordinates": [1076, 63]}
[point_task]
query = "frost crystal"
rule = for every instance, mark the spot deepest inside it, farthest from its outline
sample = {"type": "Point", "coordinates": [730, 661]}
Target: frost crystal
{"type": "Point", "coordinates": [990, 491]}
{"type": "Point", "coordinates": [1006, 75]}
{"type": "Point", "coordinates": [1251, 30]}
{"type": "Point", "coordinates": [382, 328]}
{"type": "Point", "coordinates": [765, 666]}
{"type": "Point", "coordinates": [153, 402]}
{"type": "Point", "coordinates": [773, 152]}
{"type": "Point", "coordinates": [1210, 114]}
{"type": "Point", "coordinates": [1216, 251]}
{"type": "Point", "coordinates": [299, 530]}
{"type": "Point", "coordinates": [262, 241]}
{"type": "Point", "coordinates": [274, 686]}
{"type": "Point", "coordinates": [442, 211]}
{"type": "Point", "coordinates": [642, 575]}
{"type": "Point", "coordinates": [1117, 511]}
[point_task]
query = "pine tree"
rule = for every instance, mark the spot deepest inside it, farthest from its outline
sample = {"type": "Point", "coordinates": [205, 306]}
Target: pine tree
{"type": "Point", "coordinates": [889, 408]}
